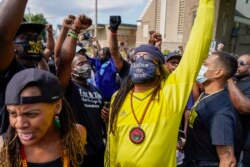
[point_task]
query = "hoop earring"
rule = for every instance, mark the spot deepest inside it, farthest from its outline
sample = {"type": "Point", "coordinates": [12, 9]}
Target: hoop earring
{"type": "Point", "coordinates": [57, 122]}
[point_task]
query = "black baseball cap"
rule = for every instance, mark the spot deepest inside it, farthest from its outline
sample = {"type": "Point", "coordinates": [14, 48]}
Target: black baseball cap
{"type": "Point", "coordinates": [172, 55]}
{"type": "Point", "coordinates": [24, 26]}
{"type": "Point", "coordinates": [152, 50]}
{"type": "Point", "coordinates": [47, 82]}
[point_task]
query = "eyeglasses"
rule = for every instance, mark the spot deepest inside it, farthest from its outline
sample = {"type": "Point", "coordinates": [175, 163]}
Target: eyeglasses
{"type": "Point", "coordinates": [145, 56]}
{"type": "Point", "coordinates": [174, 62]}
{"type": "Point", "coordinates": [242, 63]}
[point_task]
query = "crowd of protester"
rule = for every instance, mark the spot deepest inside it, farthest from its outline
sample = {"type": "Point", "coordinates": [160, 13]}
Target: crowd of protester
{"type": "Point", "coordinates": [61, 105]}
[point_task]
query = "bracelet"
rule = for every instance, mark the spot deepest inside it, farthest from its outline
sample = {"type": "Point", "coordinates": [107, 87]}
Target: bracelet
{"type": "Point", "coordinates": [73, 35]}
{"type": "Point", "coordinates": [113, 33]}
{"type": "Point", "coordinates": [74, 30]}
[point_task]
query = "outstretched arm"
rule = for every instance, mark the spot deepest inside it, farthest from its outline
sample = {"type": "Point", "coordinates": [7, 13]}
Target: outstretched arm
{"type": "Point", "coordinates": [194, 54]}
{"type": "Point", "coordinates": [240, 101]}
{"type": "Point", "coordinates": [11, 15]}
{"type": "Point", "coordinates": [95, 49]}
{"type": "Point", "coordinates": [115, 21]}
{"type": "Point", "coordinates": [62, 36]}
{"type": "Point", "coordinates": [50, 42]}
{"type": "Point", "coordinates": [68, 51]}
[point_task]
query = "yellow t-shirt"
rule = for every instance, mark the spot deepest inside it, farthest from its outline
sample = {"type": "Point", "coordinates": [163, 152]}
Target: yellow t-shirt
{"type": "Point", "coordinates": [163, 116]}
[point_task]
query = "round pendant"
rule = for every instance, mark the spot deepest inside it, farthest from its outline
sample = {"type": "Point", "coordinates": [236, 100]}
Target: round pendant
{"type": "Point", "coordinates": [137, 135]}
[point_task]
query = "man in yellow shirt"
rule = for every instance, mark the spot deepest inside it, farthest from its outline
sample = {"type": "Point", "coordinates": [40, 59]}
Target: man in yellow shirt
{"type": "Point", "coordinates": [146, 111]}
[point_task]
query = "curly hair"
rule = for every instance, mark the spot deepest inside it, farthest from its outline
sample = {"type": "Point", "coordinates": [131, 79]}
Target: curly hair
{"type": "Point", "coordinates": [70, 140]}
{"type": "Point", "coordinates": [125, 88]}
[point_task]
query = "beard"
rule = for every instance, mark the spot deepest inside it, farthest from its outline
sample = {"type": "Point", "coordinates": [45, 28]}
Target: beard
{"type": "Point", "coordinates": [240, 75]}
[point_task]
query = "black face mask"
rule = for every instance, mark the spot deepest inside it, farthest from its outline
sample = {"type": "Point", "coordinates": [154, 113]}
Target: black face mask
{"type": "Point", "coordinates": [30, 50]}
{"type": "Point", "coordinates": [103, 60]}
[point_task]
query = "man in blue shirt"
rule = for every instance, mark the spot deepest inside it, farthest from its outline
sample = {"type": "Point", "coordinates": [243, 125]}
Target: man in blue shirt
{"type": "Point", "coordinates": [213, 123]}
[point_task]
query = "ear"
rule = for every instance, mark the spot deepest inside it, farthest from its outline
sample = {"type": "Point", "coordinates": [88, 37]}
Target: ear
{"type": "Point", "coordinates": [219, 73]}
{"type": "Point", "coordinates": [58, 107]}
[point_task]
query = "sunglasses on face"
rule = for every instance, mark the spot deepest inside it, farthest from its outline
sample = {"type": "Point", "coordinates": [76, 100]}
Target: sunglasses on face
{"type": "Point", "coordinates": [242, 63]}
{"type": "Point", "coordinates": [144, 56]}
{"type": "Point", "coordinates": [174, 62]}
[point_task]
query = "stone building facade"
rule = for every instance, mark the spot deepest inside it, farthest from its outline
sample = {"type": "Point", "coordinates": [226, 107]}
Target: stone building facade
{"type": "Point", "coordinates": [174, 20]}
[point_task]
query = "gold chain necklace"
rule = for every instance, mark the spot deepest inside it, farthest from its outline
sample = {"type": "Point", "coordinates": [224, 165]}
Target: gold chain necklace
{"type": "Point", "coordinates": [137, 134]}
{"type": "Point", "coordinates": [24, 159]}
{"type": "Point", "coordinates": [201, 99]}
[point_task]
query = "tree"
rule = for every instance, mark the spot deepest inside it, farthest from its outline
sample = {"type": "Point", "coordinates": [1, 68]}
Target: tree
{"type": "Point", "coordinates": [35, 18]}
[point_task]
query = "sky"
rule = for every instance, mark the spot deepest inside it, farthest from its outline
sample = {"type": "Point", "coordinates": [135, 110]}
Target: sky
{"type": "Point", "coordinates": [55, 10]}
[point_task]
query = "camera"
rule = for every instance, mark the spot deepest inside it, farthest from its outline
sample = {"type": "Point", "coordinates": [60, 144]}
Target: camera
{"type": "Point", "coordinates": [86, 36]}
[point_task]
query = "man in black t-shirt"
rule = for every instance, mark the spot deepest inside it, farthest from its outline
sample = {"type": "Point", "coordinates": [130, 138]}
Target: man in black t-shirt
{"type": "Point", "coordinates": [239, 91]}
{"type": "Point", "coordinates": [85, 99]}
{"type": "Point", "coordinates": [213, 125]}
{"type": "Point", "coordinates": [86, 102]}
{"type": "Point", "coordinates": [12, 55]}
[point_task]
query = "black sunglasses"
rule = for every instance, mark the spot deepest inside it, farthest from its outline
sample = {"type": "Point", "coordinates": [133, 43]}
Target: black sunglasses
{"type": "Point", "coordinates": [242, 63]}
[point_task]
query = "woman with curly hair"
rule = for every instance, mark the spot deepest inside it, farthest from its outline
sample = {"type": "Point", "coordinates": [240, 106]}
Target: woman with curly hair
{"type": "Point", "coordinates": [42, 129]}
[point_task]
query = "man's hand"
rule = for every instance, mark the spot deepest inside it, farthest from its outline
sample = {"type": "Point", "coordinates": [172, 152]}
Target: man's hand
{"type": "Point", "coordinates": [226, 155]}
{"type": "Point", "coordinates": [49, 28]}
{"type": "Point", "coordinates": [68, 21]}
{"type": "Point", "coordinates": [81, 22]}
{"type": "Point", "coordinates": [181, 143]}
{"type": "Point", "coordinates": [105, 114]}
{"type": "Point", "coordinates": [155, 38]}
{"type": "Point", "coordinates": [114, 23]}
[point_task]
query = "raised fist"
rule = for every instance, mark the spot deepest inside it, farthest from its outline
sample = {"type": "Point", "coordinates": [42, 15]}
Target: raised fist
{"type": "Point", "coordinates": [114, 22]}
{"type": "Point", "coordinates": [155, 38]}
{"type": "Point", "coordinates": [81, 22]}
{"type": "Point", "coordinates": [68, 21]}
{"type": "Point", "coordinates": [49, 28]}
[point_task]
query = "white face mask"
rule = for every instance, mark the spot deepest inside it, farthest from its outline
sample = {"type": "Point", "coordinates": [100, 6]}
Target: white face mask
{"type": "Point", "coordinates": [201, 75]}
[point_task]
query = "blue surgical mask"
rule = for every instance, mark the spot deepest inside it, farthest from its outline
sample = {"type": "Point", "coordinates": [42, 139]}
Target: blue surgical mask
{"type": "Point", "coordinates": [201, 78]}
{"type": "Point", "coordinates": [142, 71]}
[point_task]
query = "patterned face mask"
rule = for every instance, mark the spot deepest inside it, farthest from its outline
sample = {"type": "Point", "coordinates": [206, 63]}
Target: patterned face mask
{"type": "Point", "coordinates": [82, 72]}
{"type": "Point", "coordinates": [143, 71]}
{"type": "Point", "coordinates": [30, 49]}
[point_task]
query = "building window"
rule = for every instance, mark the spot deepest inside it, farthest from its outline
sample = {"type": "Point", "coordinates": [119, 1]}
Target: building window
{"type": "Point", "coordinates": [123, 31]}
{"type": "Point", "coordinates": [145, 30]}
{"type": "Point", "coordinates": [181, 17]}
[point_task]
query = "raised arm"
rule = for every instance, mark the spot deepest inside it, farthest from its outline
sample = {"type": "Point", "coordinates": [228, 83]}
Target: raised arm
{"type": "Point", "coordinates": [240, 101]}
{"type": "Point", "coordinates": [68, 51]}
{"type": "Point", "coordinates": [198, 44]}
{"type": "Point", "coordinates": [115, 21]}
{"type": "Point", "coordinates": [67, 22]}
{"type": "Point", "coordinates": [50, 42]}
{"type": "Point", "coordinates": [195, 53]}
{"type": "Point", "coordinates": [11, 15]}
{"type": "Point", "coordinates": [226, 156]}
{"type": "Point", "coordinates": [95, 49]}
